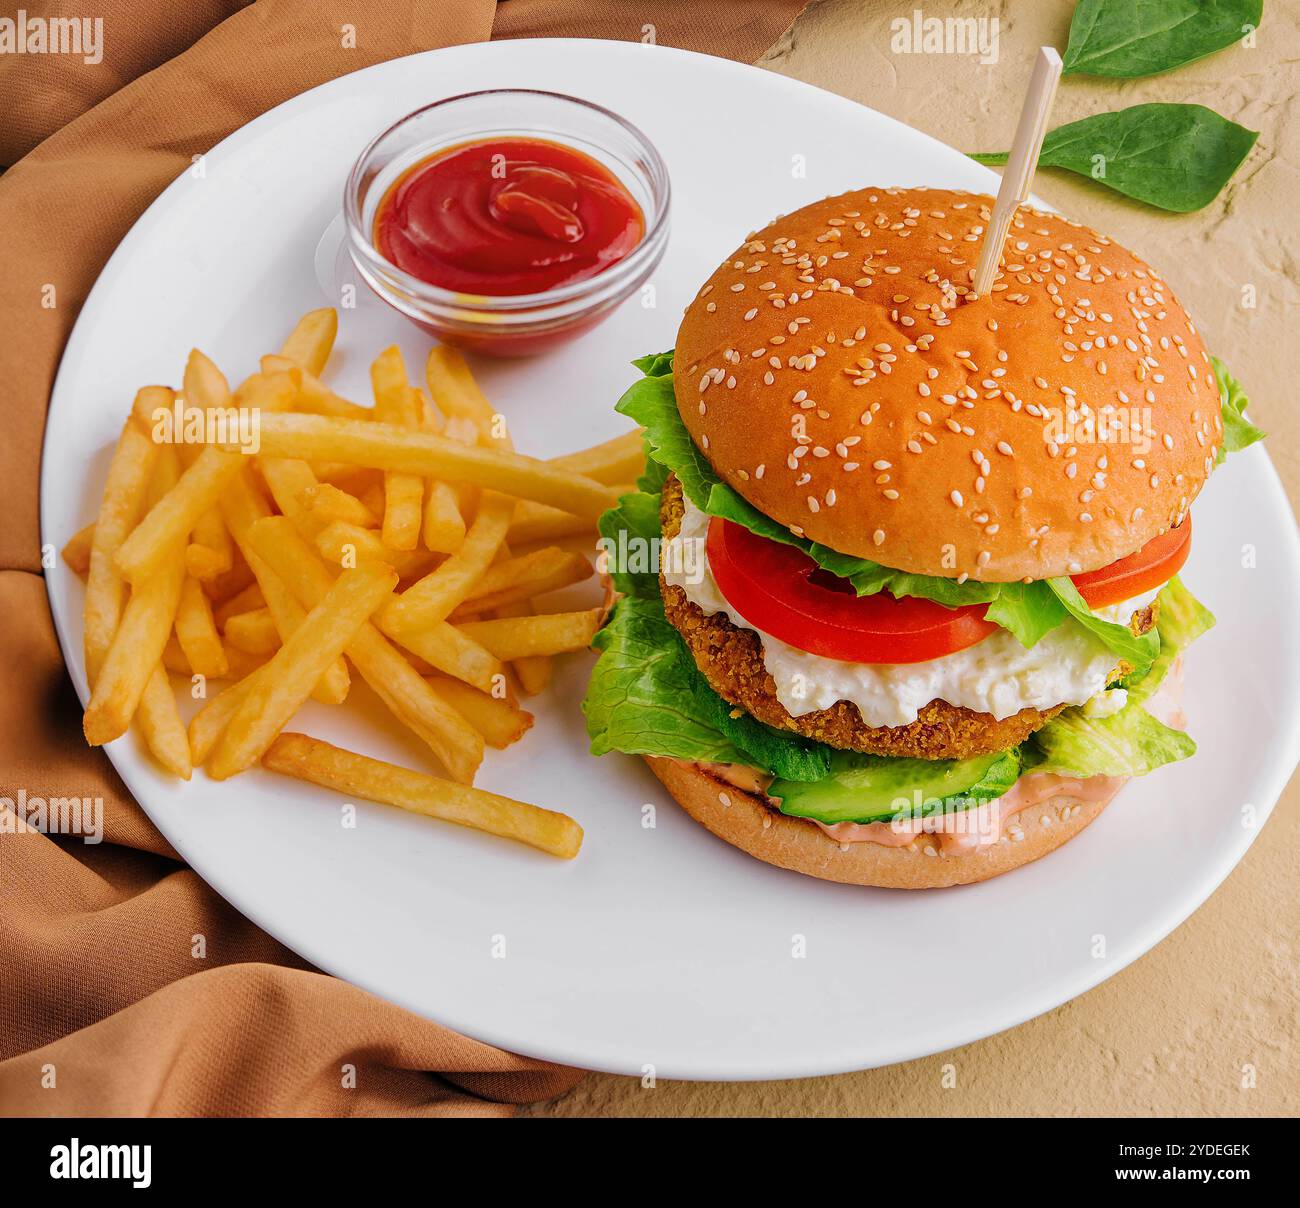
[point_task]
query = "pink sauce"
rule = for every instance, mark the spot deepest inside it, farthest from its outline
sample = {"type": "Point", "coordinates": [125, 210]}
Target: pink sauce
{"type": "Point", "coordinates": [747, 780]}
{"type": "Point", "coordinates": [969, 830]}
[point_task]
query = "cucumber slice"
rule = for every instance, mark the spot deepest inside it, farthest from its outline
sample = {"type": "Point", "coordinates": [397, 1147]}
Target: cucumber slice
{"type": "Point", "coordinates": [879, 788]}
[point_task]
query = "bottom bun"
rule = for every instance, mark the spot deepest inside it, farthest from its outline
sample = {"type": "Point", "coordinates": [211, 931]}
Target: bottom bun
{"type": "Point", "coordinates": [746, 821]}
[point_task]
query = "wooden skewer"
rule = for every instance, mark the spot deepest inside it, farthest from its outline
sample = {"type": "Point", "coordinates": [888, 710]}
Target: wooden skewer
{"type": "Point", "coordinates": [1021, 162]}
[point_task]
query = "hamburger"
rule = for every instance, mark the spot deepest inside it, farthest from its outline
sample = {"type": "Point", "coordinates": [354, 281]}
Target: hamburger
{"type": "Point", "coordinates": [897, 598]}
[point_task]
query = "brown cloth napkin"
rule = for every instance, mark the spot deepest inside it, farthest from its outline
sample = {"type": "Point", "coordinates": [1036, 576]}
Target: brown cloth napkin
{"type": "Point", "coordinates": [106, 1008]}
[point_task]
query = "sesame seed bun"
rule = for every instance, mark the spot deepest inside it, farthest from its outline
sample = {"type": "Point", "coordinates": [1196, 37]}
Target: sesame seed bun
{"type": "Point", "coordinates": [746, 821]}
{"type": "Point", "coordinates": [838, 373]}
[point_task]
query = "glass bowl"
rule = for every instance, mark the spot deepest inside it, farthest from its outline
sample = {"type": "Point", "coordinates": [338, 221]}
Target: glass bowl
{"type": "Point", "coordinates": [518, 324]}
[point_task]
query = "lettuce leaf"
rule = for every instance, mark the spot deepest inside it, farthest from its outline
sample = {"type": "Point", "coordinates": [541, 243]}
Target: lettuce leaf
{"type": "Point", "coordinates": [630, 539]}
{"type": "Point", "coordinates": [641, 699]}
{"type": "Point", "coordinates": [1137, 649]}
{"type": "Point", "coordinates": [1028, 610]}
{"type": "Point", "coordinates": [646, 696]}
{"type": "Point", "coordinates": [1238, 431]}
{"type": "Point", "coordinates": [1131, 742]}
{"type": "Point", "coordinates": [1128, 743]}
{"type": "Point", "coordinates": [1180, 619]}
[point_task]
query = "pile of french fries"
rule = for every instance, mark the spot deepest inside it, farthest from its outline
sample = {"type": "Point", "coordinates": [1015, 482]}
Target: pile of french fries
{"type": "Point", "coordinates": [403, 543]}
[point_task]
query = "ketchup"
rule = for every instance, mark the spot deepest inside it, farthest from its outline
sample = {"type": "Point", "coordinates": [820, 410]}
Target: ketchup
{"type": "Point", "coordinates": [509, 216]}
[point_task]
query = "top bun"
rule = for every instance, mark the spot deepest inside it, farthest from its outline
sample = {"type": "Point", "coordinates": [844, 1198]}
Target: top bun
{"type": "Point", "coordinates": [839, 373]}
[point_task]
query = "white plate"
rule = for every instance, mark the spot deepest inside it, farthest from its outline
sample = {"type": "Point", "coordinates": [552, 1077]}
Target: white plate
{"type": "Point", "coordinates": [657, 947]}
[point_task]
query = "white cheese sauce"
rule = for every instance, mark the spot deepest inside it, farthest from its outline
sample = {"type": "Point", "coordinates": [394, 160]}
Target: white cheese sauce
{"type": "Point", "coordinates": [997, 676]}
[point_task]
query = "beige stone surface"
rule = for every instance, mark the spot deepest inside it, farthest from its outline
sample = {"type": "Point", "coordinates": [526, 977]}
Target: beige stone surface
{"type": "Point", "coordinates": [1173, 1033]}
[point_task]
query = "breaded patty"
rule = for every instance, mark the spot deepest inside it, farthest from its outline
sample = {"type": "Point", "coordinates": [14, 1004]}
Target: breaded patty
{"type": "Point", "coordinates": [731, 659]}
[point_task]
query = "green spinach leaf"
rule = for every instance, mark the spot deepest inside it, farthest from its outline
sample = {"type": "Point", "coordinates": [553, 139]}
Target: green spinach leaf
{"type": "Point", "coordinates": [1129, 38]}
{"type": "Point", "coordinates": [1174, 157]}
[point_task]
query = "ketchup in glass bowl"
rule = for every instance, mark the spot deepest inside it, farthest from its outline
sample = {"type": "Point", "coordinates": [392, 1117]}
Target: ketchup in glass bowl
{"type": "Point", "coordinates": [507, 221]}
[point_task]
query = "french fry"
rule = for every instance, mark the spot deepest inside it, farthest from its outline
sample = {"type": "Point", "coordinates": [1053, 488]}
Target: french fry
{"type": "Point", "coordinates": [173, 658]}
{"type": "Point", "coordinates": [533, 671]}
{"type": "Point", "coordinates": [245, 601]}
{"type": "Point", "coordinates": [235, 580]}
{"type": "Point", "coordinates": [458, 395]}
{"type": "Point", "coordinates": [331, 504]}
{"type": "Point", "coordinates": [359, 776]}
{"type": "Point", "coordinates": [76, 553]}
{"type": "Point", "coordinates": [583, 544]}
{"type": "Point", "coordinates": [253, 632]}
{"type": "Point", "coordinates": [210, 553]}
{"type": "Point", "coordinates": [388, 447]}
{"type": "Point", "coordinates": [619, 460]}
{"type": "Point", "coordinates": [497, 720]}
{"type": "Point", "coordinates": [174, 516]}
{"type": "Point", "coordinates": [444, 648]}
{"type": "Point", "coordinates": [121, 505]}
{"type": "Point", "coordinates": [209, 723]}
{"type": "Point", "coordinates": [398, 404]}
{"type": "Point", "coordinates": [205, 386]}
{"type": "Point", "coordinates": [432, 418]}
{"type": "Point", "coordinates": [443, 525]}
{"type": "Point", "coordinates": [141, 635]}
{"type": "Point", "coordinates": [354, 479]}
{"type": "Point", "coordinates": [312, 339]}
{"type": "Point", "coordinates": [457, 745]}
{"type": "Point", "coordinates": [288, 479]}
{"type": "Point", "coordinates": [161, 727]}
{"type": "Point", "coordinates": [471, 417]}
{"type": "Point", "coordinates": [314, 395]}
{"type": "Point", "coordinates": [517, 579]}
{"type": "Point", "coordinates": [463, 429]}
{"type": "Point", "coordinates": [196, 632]}
{"type": "Point", "coordinates": [510, 638]}
{"type": "Point", "coordinates": [243, 505]}
{"type": "Point", "coordinates": [435, 596]}
{"type": "Point", "coordinates": [346, 545]}
{"type": "Point", "coordinates": [537, 522]}
{"type": "Point", "coordinates": [373, 497]}
{"type": "Point", "coordinates": [403, 510]}
{"type": "Point", "coordinates": [239, 663]}
{"type": "Point", "coordinates": [282, 686]}
{"type": "Point", "coordinates": [204, 563]}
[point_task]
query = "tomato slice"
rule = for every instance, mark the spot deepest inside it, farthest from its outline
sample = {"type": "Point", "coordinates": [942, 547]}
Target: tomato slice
{"type": "Point", "coordinates": [1158, 561]}
{"type": "Point", "coordinates": [780, 590]}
